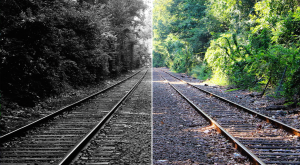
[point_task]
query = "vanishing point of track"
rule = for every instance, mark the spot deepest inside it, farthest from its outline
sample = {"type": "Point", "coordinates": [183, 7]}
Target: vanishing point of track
{"type": "Point", "coordinates": [255, 135]}
{"type": "Point", "coordinates": [59, 137]}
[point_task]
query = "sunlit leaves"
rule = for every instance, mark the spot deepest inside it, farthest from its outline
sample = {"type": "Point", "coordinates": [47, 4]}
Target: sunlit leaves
{"type": "Point", "coordinates": [248, 42]}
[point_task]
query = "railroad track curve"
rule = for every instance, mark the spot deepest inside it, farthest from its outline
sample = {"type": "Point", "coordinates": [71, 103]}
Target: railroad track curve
{"type": "Point", "coordinates": [58, 137]}
{"type": "Point", "coordinates": [256, 136]}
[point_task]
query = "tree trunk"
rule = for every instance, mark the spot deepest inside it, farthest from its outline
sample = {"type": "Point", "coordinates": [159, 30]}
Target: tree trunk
{"type": "Point", "coordinates": [266, 87]}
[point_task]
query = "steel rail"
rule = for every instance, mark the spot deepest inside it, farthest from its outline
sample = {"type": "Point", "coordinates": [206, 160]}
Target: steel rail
{"type": "Point", "coordinates": [85, 140]}
{"type": "Point", "coordinates": [238, 145]}
{"type": "Point", "coordinates": [20, 131]}
{"type": "Point", "coordinates": [275, 122]}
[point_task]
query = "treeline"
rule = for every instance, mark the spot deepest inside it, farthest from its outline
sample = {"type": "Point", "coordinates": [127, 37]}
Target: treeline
{"type": "Point", "coordinates": [247, 43]}
{"type": "Point", "coordinates": [47, 46]}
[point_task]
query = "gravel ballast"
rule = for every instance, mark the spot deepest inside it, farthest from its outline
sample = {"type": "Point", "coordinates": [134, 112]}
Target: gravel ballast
{"type": "Point", "coordinates": [181, 135]}
{"type": "Point", "coordinates": [251, 131]}
{"type": "Point", "coordinates": [126, 138]}
{"type": "Point", "coordinates": [246, 98]}
{"type": "Point", "coordinates": [14, 116]}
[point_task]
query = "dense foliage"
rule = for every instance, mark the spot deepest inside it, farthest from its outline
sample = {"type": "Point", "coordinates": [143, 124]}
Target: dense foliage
{"type": "Point", "coordinates": [48, 46]}
{"type": "Point", "coordinates": [246, 43]}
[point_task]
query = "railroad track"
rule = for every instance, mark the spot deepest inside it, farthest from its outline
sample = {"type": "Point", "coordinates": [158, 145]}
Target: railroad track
{"type": "Point", "coordinates": [183, 136]}
{"type": "Point", "coordinates": [255, 135]}
{"type": "Point", "coordinates": [59, 137]}
{"type": "Point", "coordinates": [126, 138]}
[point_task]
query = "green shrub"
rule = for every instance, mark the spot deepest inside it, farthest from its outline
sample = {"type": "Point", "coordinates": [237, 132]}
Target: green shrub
{"type": "Point", "coordinates": [202, 72]}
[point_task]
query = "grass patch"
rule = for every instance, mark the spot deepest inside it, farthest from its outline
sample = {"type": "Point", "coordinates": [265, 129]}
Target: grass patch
{"type": "Point", "coordinates": [230, 90]}
{"type": "Point", "coordinates": [288, 103]}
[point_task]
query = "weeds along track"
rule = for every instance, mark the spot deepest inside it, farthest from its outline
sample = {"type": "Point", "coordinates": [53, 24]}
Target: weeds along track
{"type": "Point", "coordinates": [57, 138]}
{"type": "Point", "coordinates": [262, 139]}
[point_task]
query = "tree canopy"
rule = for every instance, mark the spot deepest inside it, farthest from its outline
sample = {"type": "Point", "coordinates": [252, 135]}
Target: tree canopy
{"type": "Point", "coordinates": [246, 43]}
{"type": "Point", "coordinates": [48, 46]}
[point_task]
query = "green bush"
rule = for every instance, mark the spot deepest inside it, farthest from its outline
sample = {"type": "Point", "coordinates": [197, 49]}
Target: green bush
{"type": "Point", "coordinates": [201, 72]}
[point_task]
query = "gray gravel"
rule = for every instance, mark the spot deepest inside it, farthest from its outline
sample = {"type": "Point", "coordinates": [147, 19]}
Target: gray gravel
{"type": "Point", "coordinates": [182, 136]}
{"type": "Point", "coordinates": [259, 104]}
{"type": "Point", "coordinates": [243, 126]}
{"type": "Point", "coordinates": [126, 138]}
{"type": "Point", "coordinates": [13, 116]}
